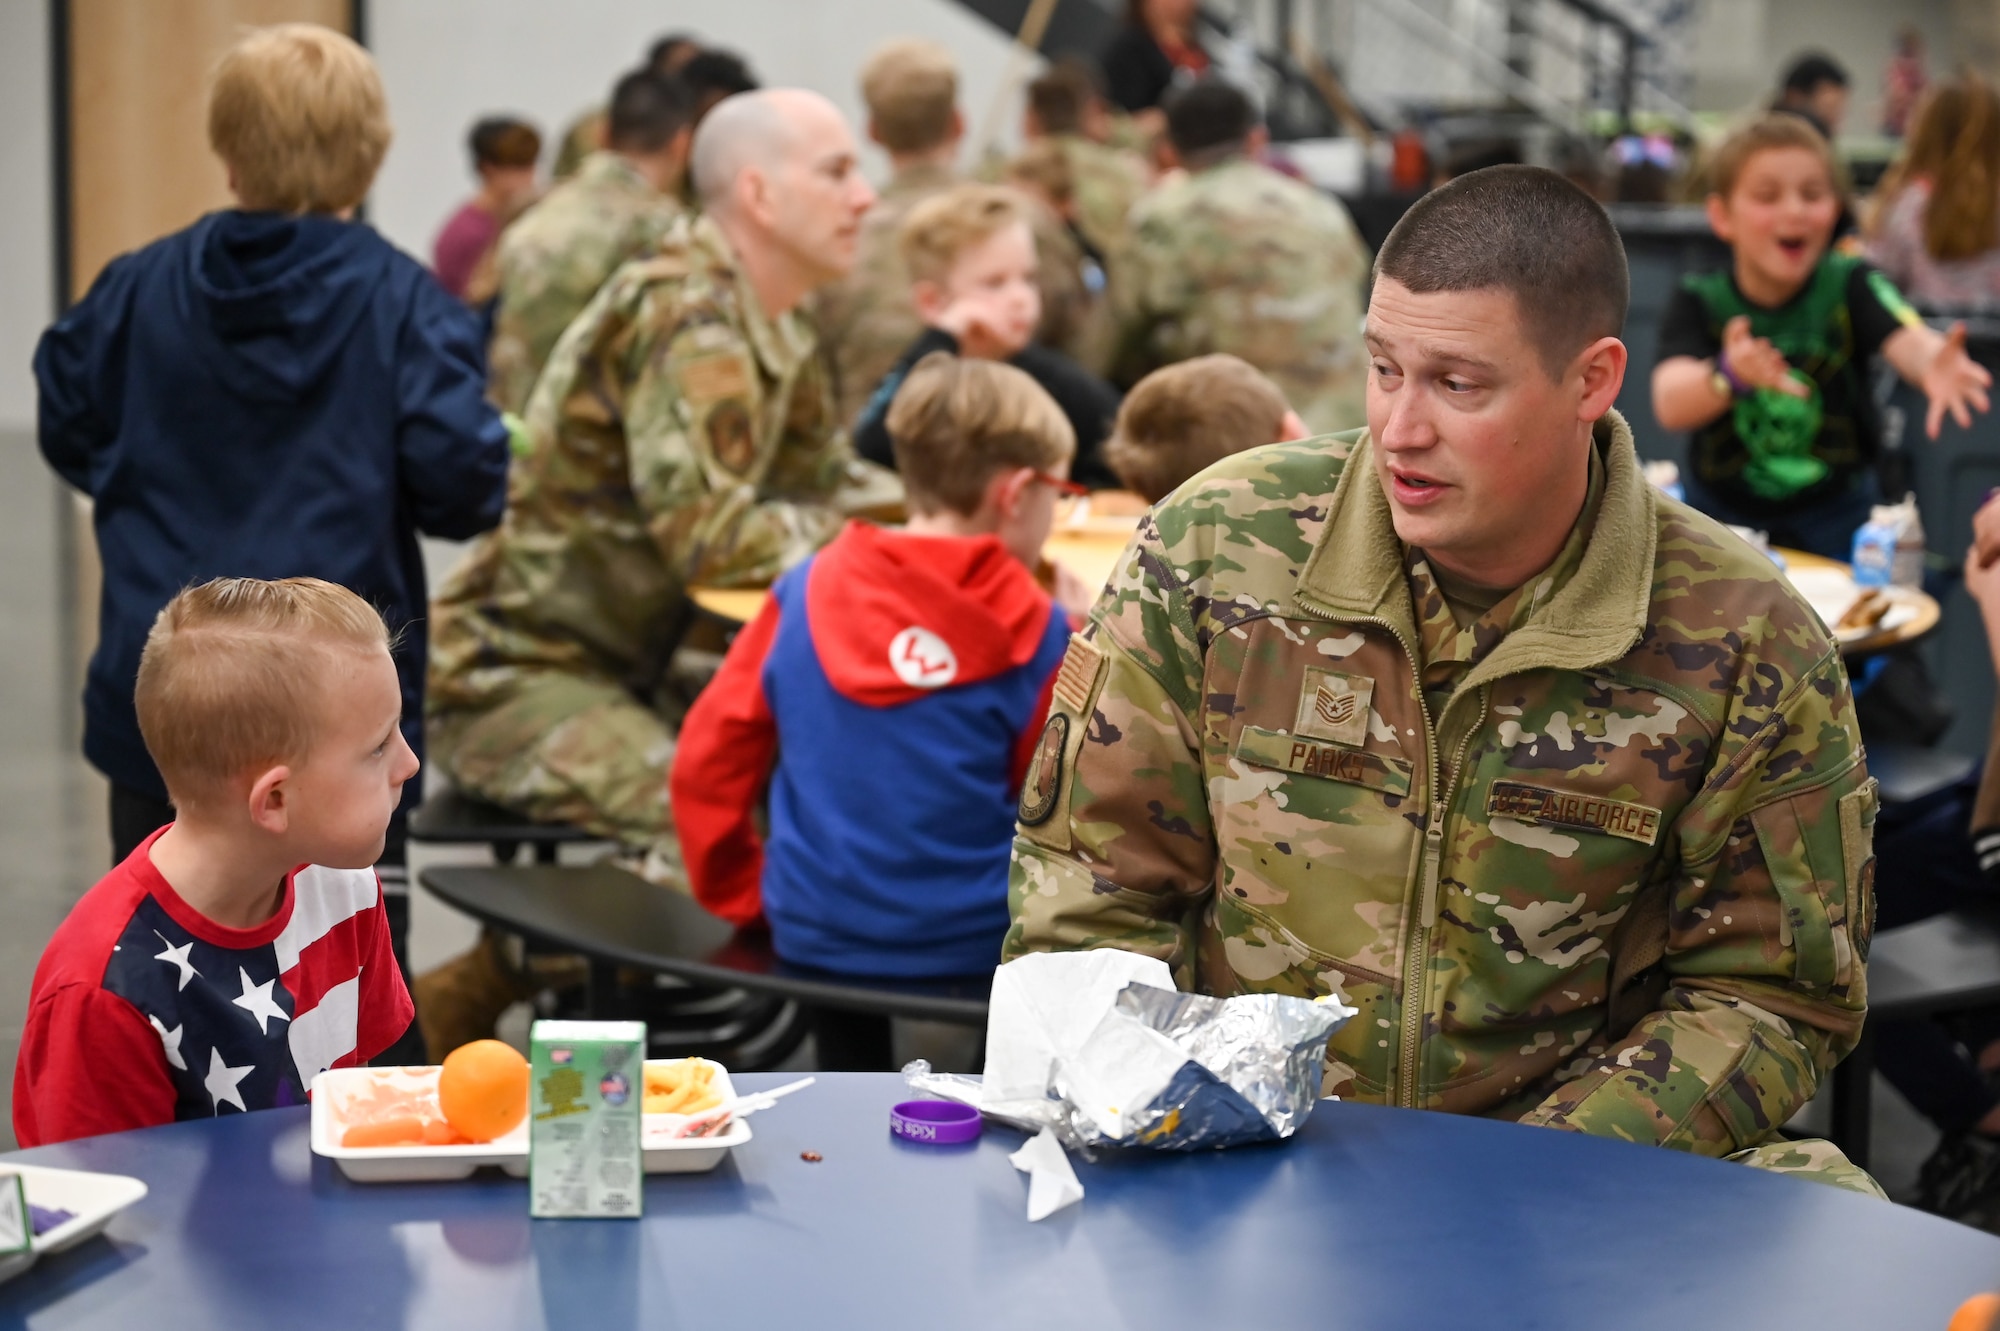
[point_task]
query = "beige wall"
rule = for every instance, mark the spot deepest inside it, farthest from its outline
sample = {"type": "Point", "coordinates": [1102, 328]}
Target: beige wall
{"type": "Point", "coordinates": [140, 165]}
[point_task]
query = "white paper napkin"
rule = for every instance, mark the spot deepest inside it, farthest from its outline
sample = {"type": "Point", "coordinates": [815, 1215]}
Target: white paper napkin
{"type": "Point", "coordinates": [1052, 1183]}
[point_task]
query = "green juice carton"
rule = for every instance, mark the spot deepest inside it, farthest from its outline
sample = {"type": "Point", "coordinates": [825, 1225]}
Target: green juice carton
{"type": "Point", "coordinates": [587, 1088]}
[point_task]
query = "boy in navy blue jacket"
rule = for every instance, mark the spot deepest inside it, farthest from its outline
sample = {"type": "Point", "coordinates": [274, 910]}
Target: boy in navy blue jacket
{"type": "Point", "coordinates": [888, 698]}
{"type": "Point", "coordinates": [274, 392]}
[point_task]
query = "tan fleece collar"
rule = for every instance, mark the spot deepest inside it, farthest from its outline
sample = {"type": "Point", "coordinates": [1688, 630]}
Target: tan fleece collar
{"type": "Point", "coordinates": [1356, 570]}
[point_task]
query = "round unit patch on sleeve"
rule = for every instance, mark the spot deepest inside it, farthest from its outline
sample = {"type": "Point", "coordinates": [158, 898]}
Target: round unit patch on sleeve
{"type": "Point", "coordinates": [1045, 773]}
{"type": "Point", "coordinates": [922, 659]}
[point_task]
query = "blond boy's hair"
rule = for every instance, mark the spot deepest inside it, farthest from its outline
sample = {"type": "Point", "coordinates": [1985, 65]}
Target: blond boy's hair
{"type": "Point", "coordinates": [911, 88]}
{"type": "Point", "coordinates": [1180, 420]}
{"type": "Point", "coordinates": [1044, 167]}
{"type": "Point", "coordinates": [957, 422]}
{"type": "Point", "coordinates": [298, 113]}
{"type": "Point", "coordinates": [230, 680]}
{"type": "Point", "coordinates": [948, 224]}
{"type": "Point", "coordinates": [1765, 134]}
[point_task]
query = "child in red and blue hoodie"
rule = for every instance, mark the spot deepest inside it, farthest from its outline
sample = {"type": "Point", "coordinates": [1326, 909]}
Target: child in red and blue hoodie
{"type": "Point", "coordinates": [887, 699]}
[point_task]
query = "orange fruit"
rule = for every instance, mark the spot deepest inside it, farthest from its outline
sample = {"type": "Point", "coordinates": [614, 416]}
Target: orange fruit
{"type": "Point", "coordinates": [1981, 1312]}
{"type": "Point", "coordinates": [483, 1089]}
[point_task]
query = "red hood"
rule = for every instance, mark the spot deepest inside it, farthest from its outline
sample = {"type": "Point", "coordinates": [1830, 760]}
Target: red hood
{"type": "Point", "coordinates": [894, 616]}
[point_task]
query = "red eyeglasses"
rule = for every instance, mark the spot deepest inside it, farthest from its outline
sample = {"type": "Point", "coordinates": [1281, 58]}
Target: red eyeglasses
{"type": "Point", "coordinates": [1061, 486]}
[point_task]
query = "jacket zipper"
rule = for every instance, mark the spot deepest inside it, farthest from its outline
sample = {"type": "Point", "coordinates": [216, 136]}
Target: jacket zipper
{"type": "Point", "coordinates": [1416, 929]}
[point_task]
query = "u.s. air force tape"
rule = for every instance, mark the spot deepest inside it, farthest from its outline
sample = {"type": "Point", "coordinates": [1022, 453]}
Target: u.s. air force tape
{"type": "Point", "coordinates": [1562, 808]}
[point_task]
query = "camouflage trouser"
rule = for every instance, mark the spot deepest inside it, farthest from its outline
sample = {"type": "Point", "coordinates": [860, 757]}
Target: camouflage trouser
{"type": "Point", "coordinates": [1812, 1158]}
{"type": "Point", "coordinates": [569, 749]}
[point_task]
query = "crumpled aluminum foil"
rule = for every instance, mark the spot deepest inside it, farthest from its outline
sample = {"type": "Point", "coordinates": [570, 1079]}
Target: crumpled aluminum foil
{"type": "Point", "coordinates": [1237, 1070]}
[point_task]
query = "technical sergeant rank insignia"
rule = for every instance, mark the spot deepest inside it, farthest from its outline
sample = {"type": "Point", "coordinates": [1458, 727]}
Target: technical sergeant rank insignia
{"type": "Point", "coordinates": [1334, 707]}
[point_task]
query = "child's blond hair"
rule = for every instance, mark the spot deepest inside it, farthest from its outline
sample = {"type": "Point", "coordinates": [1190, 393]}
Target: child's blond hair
{"type": "Point", "coordinates": [911, 88]}
{"type": "Point", "coordinates": [949, 223]}
{"type": "Point", "coordinates": [1765, 134]}
{"type": "Point", "coordinates": [298, 113]}
{"type": "Point", "coordinates": [230, 681]}
{"type": "Point", "coordinates": [957, 422]}
{"type": "Point", "coordinates": [1179, 420]}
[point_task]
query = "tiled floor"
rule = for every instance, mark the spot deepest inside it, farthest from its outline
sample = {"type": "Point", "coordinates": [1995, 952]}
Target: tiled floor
{"type": "Point", "coordinates": [53, 841]}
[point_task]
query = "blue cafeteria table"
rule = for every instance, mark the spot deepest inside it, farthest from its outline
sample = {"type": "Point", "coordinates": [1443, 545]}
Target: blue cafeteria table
{"type": "Point", "coordinates": [1370, 1218]}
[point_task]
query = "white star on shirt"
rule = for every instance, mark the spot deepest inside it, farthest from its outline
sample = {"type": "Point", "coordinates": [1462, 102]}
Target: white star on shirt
{"type": "Point", "coordinates": [257, 1001]}
{"type": "Point", "coordinates": [222, 1080]}
{"type": "Point", "coordinates": [170, 1040]}
{"type": "Point", "coordinates": [177, 956]}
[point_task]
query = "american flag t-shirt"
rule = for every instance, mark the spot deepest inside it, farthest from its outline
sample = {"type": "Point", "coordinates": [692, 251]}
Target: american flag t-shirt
{"type": "Point", "coordinates": [236, 1019]}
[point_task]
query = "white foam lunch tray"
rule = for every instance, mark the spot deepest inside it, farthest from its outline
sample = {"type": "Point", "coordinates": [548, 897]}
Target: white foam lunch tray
{"type": "Point", "coordinates": [410, 1164]}
{"type": "Point", "coordinates": [95, 1199]}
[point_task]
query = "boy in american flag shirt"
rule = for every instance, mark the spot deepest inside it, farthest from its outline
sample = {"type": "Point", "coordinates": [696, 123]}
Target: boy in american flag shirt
{"type": "Point", "coordinates": [242, 949]}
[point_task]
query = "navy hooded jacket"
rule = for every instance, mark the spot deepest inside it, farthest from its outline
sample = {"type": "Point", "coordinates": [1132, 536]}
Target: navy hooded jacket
{"type": "Point", "coordinates": [265, 396]}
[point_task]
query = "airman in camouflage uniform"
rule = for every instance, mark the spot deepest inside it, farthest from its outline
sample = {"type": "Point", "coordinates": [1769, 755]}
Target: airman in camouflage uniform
{"type": "Point", "coordinates": [1277, 762]}
{"type": "Point", "coordinates": [1235, 257]}
{"type": "Point", "coordinates": [680, 435]}
{"type": "Point", "coordinates": [618, 205]}
{"type": "Point", "coordinates": [554, 259]}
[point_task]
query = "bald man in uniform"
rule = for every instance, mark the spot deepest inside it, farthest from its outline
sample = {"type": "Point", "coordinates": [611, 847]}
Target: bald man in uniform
{"type": "Point", "coordinates": [682, 434]}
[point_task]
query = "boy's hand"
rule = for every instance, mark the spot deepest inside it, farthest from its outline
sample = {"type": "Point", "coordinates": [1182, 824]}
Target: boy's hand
{"type": "Point", "coordinates": [1754, 361]}
{"type": "Point", "coordinates": [979, 322]}
{"type": "Point", "coordinates": [1985, 536]}
{"type": "Point", "coordinates": [1954, 382]}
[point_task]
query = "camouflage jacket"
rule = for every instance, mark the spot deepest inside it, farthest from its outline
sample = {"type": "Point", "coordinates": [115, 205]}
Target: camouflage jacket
{"type": "Point", "coordinates": [1108, 182]}
{"type": "Point", "coordinates": [868, 319]}
{"type": "Point", "coordinates": [678, 436]}
{"type": "Point", "coordinates": [556, 255]}
{"type": "Point", "coordinates": [1239, 258]}
{"type": "Point", "coordinates": [1243, 776]}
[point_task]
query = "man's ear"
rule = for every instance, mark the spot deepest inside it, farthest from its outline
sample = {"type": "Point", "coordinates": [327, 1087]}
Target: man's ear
{"type": "Point", "coordinates": [1256, 141]}
{"type": "Point", "coordinates": [957, 125]}
{"type": "Point", "coordinates": [270, 800]}
{"type": "Point", "coordinates": [1601, 365]}
{"type": "Point", "coordinates": [875, 135]}
{"type": "Point", "coordinates": [753, 196]}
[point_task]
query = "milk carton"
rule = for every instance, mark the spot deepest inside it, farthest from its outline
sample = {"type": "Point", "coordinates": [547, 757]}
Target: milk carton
{"type": "Point", "coordinates": [587, 1085]}
{"type": "Point", "coordinates": [1889, 547]}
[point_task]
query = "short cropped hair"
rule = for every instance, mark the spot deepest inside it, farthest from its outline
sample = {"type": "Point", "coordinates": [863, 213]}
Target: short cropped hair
{"type": "Point", "coordinates": [957, 422]}
{"type": "Point", "coordinates": [1764, 134]}
{"type": "Point", "coordinates": [504, 141]}
{"type": "Point", "coordinates": [647, 110]}
{"type": "Point", "coordinates": [230, 679]}
{"type": "Point", "coordinates": [911, 88]}
{"type": "Point", "coordinates": [669, 53]}
{"type": "Point", "coordinates": [298, 113]}
{"type": "Point", "coordinates": [1209, 119]}
{"type": "Point", "coordinates": [1181, 419]}
{"type": "Point", "coordinates": [1043, 166]}
{"type": "Point", "coordinates": [1526, 231]}
{"type": "Point", "coordinates": [713, 75]}
{"type": "Point", "coordinates": [1063, 96]}
{"type": "Point", "coordinates": [1809, 71]}
{"type": "Point", "coordinates": [951, 222]}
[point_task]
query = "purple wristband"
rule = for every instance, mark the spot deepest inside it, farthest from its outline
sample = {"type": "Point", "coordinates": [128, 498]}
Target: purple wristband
{"type": "Point", "coordinates": [934, 1122]}
{"type": "Point", "coordinates": [1736, 386]}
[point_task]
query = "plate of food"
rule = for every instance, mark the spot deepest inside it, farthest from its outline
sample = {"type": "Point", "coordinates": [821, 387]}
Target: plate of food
{"type": "Point", "coordinates": [65, 1207]}
{"type": "Point", "coordinates": [409, 1124]}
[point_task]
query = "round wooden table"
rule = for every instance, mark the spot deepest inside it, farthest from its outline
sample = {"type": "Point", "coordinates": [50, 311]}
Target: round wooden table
{"type": "Point", "coordinates": [1829, 586]}
{"type": "Point", "coordinates": [1089, 535]}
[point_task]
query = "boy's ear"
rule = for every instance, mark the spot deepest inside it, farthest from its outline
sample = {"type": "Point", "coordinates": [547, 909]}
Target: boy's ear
{"type": "Point", "coordinates": [270, 800]}
{"type": "Point", "coordinates": [875, 135]}
{"type": "Point", "coordinates": [1718, 217]}
{"type": "Point", "coordinates": [1005, 491]}
{"type": "Point", "coordinates": [929, 298]}
{"type": "Point", "coordinates": [1291, 428]}
{"type": "Point", "coordinates": [957, 125]}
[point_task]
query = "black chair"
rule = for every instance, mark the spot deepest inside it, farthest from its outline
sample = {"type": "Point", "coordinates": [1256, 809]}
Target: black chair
{"type": "Point", "coordinates": [617, 919]}
{"type": "Point", "coordinates": [451, 817]}
{"type": "Point", "coordinates": [1934, 968]}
